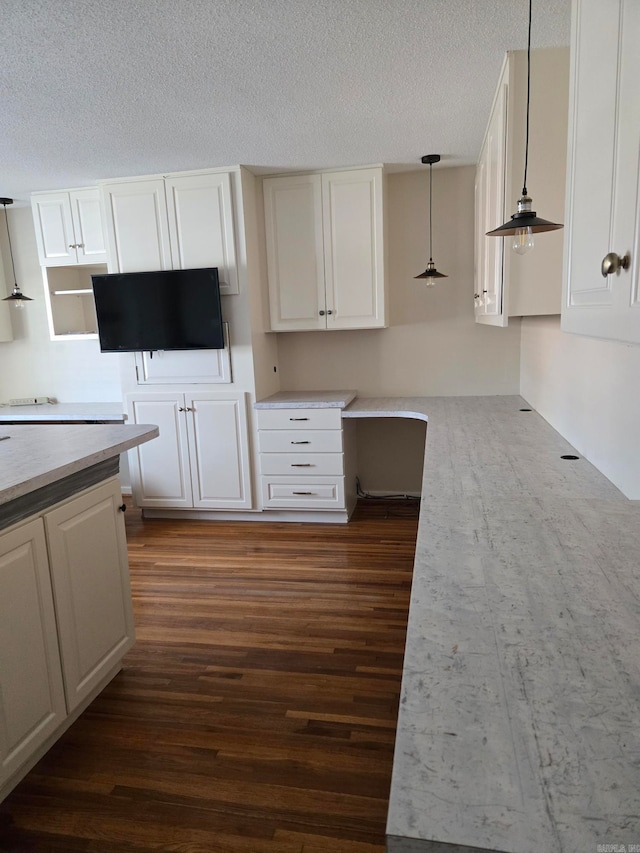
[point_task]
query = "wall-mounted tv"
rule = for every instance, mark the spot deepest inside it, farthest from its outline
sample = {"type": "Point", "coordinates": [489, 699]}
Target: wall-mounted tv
{"type": "Point", "coordinates": [163, 310]}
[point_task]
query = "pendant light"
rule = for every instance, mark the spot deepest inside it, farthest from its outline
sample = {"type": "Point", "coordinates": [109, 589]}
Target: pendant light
{"type": "Point", "coordinates": [524, 223]}
{"type": "Point", "coordinates": [17, 297]}
{"type": "Point", "coordinates": [431, 273]}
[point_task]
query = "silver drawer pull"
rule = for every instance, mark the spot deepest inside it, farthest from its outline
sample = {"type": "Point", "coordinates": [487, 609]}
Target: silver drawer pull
{"type": "Point", "coordinates": [303, 493]}
{"type": "Point", "coordinates": [301, 465]}
{"type": "Point", "coordinates": [300, 442]}
{"type": "Point", "coordinates": [298, 419]}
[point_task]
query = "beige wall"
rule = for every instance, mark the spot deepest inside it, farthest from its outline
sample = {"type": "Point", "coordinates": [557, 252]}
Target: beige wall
{"type": "Point", "coordinates": [433, 346]}
{"type": "Point", "coordinates": [587, 389]}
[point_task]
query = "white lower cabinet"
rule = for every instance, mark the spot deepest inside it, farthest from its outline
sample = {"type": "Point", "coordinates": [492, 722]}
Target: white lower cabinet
{"type": "Point", "coordinates": [304, 459]}
{"type": "Point", "coordinates": [32, 702]}
{"type": "Point", "coordinates": [90, 575]}
{"type": "Point", "coordinates": [201, 458]}
{"type": "Point", "coordinates": [65, 619]}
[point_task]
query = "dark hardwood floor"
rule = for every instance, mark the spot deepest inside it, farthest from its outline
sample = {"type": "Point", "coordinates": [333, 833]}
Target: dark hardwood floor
{"type": "Point", "coordinates": [256, 712]}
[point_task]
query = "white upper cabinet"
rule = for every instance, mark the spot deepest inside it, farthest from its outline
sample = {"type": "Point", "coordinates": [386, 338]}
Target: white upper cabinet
{"type": "Point", "coordinates": [69, 228]}
{"type": "Point", "coordinates": [325, 250]}
{"type": "Point", "coordinates": [508, 284]}
{"type": "Point", "coordinates": [603, 182]}
{"type": "Point", "coordinates": [172, 222]}
{"type": "Point", "coordinates": [489, 206]}
{"type": "Point", "coordinates": [201, 225]}
{"type": "Point", "coordinates": [137, 226]}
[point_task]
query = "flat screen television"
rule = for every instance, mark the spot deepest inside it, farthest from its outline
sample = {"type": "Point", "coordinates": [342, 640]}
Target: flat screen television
{"type": "Point", "coordinates": [163, 310]}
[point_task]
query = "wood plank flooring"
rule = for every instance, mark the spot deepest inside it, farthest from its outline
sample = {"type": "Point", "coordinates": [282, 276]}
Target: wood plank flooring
{"type": "Point", "coordinates": [256, 712]}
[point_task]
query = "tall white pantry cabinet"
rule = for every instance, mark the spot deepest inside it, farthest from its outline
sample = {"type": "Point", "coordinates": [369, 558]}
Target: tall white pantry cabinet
{"type": "Point", "coordinates": [202, 458]}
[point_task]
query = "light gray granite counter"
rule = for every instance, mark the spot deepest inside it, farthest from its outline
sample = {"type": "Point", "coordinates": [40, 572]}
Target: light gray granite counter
{"type": "Point", "coordinates": [34, 456]}
{"type": "Point", "coordinates": [100, 412]}
{"type": "Point", "coordinates": [307, 400]}
{"type": "Point", "coordinates": [519, 721]}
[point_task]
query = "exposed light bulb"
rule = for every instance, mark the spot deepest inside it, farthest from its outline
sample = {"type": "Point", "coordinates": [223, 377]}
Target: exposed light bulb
{"type": "Point", "coordinates": [18, 304]}
{"type": "Point", "coordinates": [523, 240]}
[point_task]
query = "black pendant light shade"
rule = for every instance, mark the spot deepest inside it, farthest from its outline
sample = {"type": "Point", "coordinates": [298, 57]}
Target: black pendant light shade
{"type": "Point", "coordinates": [525, 221]}
{"type": "Point", "coordinates": [17, 297]}
{"type": "Point", "coordinates": [431, 272]}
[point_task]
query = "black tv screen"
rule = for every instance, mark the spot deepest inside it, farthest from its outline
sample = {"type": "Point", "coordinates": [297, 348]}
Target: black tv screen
{"type": "Point", "coordinates": [163, 310]}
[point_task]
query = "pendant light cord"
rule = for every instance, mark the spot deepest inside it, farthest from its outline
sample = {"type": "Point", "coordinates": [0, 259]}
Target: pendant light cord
{"type": "Point", "coordinates": [430, 198]}
{"type": "Point", "coordinates": [13, 266]}
{"type": "Point", "coordinates": [526, 144]}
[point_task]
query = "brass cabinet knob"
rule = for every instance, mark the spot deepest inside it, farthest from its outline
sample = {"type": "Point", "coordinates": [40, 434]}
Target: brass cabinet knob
{"type": "Point", "coordinates": [612, 262]}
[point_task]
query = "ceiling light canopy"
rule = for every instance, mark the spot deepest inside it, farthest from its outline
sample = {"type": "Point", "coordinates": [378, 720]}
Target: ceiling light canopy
{"type": "Point", "coordinates": [17, 297]}
{"type": "Point", "coordinates": [525, 222]}
{"type": "Point", "coordinates": [431, 273]}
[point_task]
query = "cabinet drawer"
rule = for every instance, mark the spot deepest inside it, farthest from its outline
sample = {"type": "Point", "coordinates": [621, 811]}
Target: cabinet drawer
{"type": "Point", "coordinates": [303, 493]}
{"type": "Point", "coordinates": [300, 418]}
{"type": "Point", "coordinates": [300, 441]}
{"type": "Point", "coordinates": [302, 464]}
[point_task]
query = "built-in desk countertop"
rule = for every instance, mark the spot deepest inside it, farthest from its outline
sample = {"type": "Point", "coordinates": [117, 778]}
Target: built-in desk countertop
{"type": "Point", "coordinates": [519, 719]}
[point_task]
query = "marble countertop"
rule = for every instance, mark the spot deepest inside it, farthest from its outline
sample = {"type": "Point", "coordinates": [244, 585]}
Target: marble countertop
{"type": "Point", "coordinates": [110, 412]}
{"type": "Point", "coordinates": [306, 400]}
{"type": "Point", "coordinates": [35, 455]}
{"type": "Point", "coordinates": [519, 720]}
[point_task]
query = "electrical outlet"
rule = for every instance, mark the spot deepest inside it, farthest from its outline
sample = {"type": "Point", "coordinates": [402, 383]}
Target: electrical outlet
{"type": "Point", "coordinates": [28, 401]}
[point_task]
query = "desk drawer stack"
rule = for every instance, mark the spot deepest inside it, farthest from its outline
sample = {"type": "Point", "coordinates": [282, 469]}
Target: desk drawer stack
{"type": "Point", "coordinates": [302, 458]}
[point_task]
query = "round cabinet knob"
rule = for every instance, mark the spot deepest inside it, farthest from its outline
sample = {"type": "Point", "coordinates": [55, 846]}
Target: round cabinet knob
{"type": "Point", "coordinates": [612, 262]}
{"type": "Point", "coordinates": [122, 507]}
{"type": "Point", "coordinates": [329, 312]}
{"type": "Point", "coordinates": [321, 313]}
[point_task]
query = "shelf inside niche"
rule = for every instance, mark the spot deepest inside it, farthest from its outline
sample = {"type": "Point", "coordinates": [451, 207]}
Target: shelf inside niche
{"type": "Point", "coordinates": [69, 299]}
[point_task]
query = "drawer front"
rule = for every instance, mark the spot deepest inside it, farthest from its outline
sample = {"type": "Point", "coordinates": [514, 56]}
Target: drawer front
{"type": "Point", "coordinates": [303, 493]}
{"type": "Point", "coordinates": [299, 418]}
{"type": "Point", "coordinates": [302, 464]}
{"type": "Point", "coordinates": [300, 441]}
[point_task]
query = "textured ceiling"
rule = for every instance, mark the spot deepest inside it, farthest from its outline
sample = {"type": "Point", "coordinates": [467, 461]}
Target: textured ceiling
{"type": "Point", "coordinates": [95, 89]}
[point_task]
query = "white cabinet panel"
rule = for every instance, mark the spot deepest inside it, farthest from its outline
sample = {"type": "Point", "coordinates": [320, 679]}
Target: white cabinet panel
{"type": "Point", "coordinates": [295, 252]}
{"type": "Point", "coordinates": [353, 249]}
{"type": "Point", "coordinates": [32, 702]}
{"type": "Point", "coordinates": [201, 225]}
{"type": "Point", "coordinates": [603, 186]}
{"type": "Point", "coordinates": [137, 226]}
{"type": "Point", "coordinates": [300, 441]}
{"type": "Point", "coordinates": [304, 464]}
{"type": "Point", "coordinates": [490, 210]}
{"type": "Point", "coordinates": [219, 451]}
{"type": "Point", "coordinates": [160, 468]}
{"type": "Point", "coordinates": [68, 227]}
{"type": "Point", "coordinates": [185, 366]}
{"type": "Point", "coordinates": [318, 418]}
{"type": "Point", "coordinates": [303, 493]}
{"type": "Point", "coordinates": [90, 576]}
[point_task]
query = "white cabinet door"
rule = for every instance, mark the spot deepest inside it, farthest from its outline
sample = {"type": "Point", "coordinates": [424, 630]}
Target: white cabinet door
{"type": "Point", "coordinates": [201, 225]}
{"type": "Point", "coordinates": [68, 227]}
{"type": "Point", "coordinates": [490, 190]}
{"type": "Point", "coordinates": [31, 693]}
{"type": "Point", "coordinates": [160, 469]}
{"type": "Point", "coordinates": [90, 577]}
{"type": "Point", "coordinates": [603, 185]}
{"type": "Point", "coordinates": [354, 249]}
{"type": "Point", "coordinates": [219, 451]}
{"type": "Point", "coordinates": [86, 215]}
{"type": "Point", "coordinates": [136, 225]}
{"type": "Point", "coordinates": [295, 252]}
